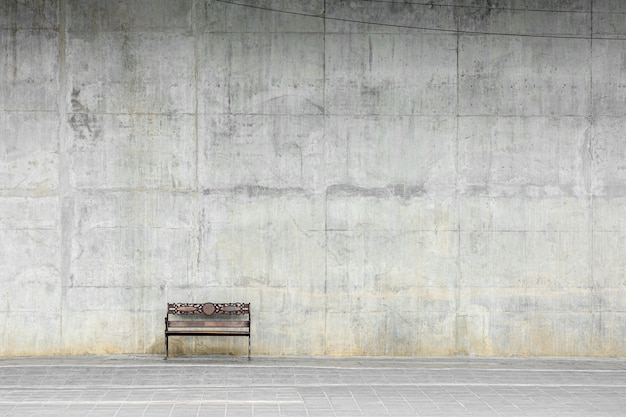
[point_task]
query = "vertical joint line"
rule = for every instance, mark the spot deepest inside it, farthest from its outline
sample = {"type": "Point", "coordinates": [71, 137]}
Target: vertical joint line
{"type": "Point", "coordinates": [65, 198]}
{"type": "Point", "coordinates": [457, 290]}
{"type": "Point", "coordinates": [196, 190]}
{"type": "Point", "coordinates": [594, 308]}
{"type": "Point", "coordinates": [194, 29]}
{"type": "Point", "coordinates": [326, 181]}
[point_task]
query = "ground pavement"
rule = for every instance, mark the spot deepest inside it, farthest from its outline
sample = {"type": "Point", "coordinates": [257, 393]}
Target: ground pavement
{"type": "Point", "coordinates": [137, 386]}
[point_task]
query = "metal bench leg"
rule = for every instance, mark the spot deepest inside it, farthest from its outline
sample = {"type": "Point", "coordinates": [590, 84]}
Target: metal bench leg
{"type": "Point", "coordinates": [166, 347]}
{"type": "Point", "coordinates": [248, 347]}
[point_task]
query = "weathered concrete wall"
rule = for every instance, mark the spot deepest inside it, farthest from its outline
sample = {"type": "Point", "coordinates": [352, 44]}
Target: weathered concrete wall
{"type": "Point", "coordinates": [374, 188]}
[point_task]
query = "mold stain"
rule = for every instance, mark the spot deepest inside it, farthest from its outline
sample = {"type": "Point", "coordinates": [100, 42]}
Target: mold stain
{"type": "Point", "coordinates": [77, 106]}
{"type": "Point", "coordinates": [86, 128]}
{"type": "Point", "coordinates": [478, 11]}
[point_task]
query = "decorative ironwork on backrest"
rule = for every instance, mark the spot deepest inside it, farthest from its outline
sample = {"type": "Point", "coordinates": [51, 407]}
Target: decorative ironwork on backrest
{"type": "Point", "coordinates": [208, 309]}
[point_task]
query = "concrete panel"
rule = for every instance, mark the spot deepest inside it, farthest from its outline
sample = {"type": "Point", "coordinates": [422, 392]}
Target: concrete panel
{"type": "Point", "coordinates": [29, 151]}
{"type": "Point", "coordinates": [608, 171]}
{"type": "Point", "coordinates": [268, 151]}
{"type": "Point", "coordinates": [613, 299]}
{"type": "Point", "coordinates": [280, 333]}
{"type": "Point", "coordinates": [29, 14]}
{"type": "Point", "coordinates": [524, 76]}
{"type": "Point", "coordinates": [526, 285]}
{"type": "Point", "coordinates": [608, 214]}
{"type": "Point", "coordinates": [377, 271]}
{"type": "Point", "coordinates": [575, 260]}
{"type": "Point", "coordinates": [132, 151]}
{"type": "Point", "coordinates": [137, 15]}
{"type": "Point", "coordinates": [28, 213]}
{"type": "Point", "coordinates": [137, 209]}
{"type": "Point", "coordinates": [390, 333]}
{"type": "Point", "coordinates": [261, 73]}
{"type": "Point", "coordinates": [612, 329]}
{"type": "Point", "coordinates": [357, 333]}
{"type": "Point", "coordinates": [32, 289]}
{"type": "Point", "coordinates": [26, 83]}
{"type": "Point", "coordinates": [103, 299]}
{"type": "Point", "coordinates": [557, 214]}
{"type": "Point", "coordinates": [135, 257]}
{"type": "Point", "coordinates": [527, 299]}
{"type": "Point", "coordinates": [391, 209]}
{"type": "Point", "coordinates": [541, 334]}
{"type": "Point", "coordinates": [542, 260]}
{"type": "Point", "coordinates": [376, 74]}
{"type": "Point", "coordinates": [415, 152]}
{"type": "Point", "coordinates": [213, 78]}
{"type": "Point", "coordinates": [263, 258]}
{"type": "Point", "coordinates": [533, 156]}
{"type": "Point", "coordinates": [609, 263]}
{"type": "Point", "coordinates": [106, 332]}
{"type": "Point", "coordinates": [540, 18]}
{"type": "Point", "coordinates": [263, 241]}
{"type": "Point", "coordinates": [389, 17]}
{"type": "Point", "coordinates": [113, 320]}
{"type": "Point", "coordinates": [30, 279]}
{"type": "Point", "coordinates": [30, 285]}
{"type": "Point", "coordinates": [609, 77]}
{"type": "Point", "coordinates": [30, 334]}
{"type": "Point", "coordinates": [28, 252]}
{"type": "Point", "coordinates": [249, 16]}
{"type": "Point", "coordinates": [486, 260]}
{"type": "Point", "coordinates": [133, 240]}
{"type": "Point", "coordinates": [252, 209]}
{"type": "Point", "coordinates": [607, 19]}
{"type": "Point", "coordinates": [129, 73]}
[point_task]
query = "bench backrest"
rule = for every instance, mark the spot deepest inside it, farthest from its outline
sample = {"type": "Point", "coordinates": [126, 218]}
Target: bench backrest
{"type": "Point", "coordinates": [226, 311]}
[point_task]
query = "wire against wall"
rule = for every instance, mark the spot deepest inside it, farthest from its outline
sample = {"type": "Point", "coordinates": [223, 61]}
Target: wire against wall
{"type": "Point", "coordinates": [439, 30]}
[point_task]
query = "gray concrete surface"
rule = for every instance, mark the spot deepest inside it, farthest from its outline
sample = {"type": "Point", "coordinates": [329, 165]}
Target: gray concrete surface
{"type": "Point", "coordinates": [311, 387]}
{"type": "Point", "coordinates": [374, 177]}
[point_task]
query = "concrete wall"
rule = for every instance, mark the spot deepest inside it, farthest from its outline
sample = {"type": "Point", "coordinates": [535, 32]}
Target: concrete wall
{"type": "Point", "coordinates": [371, 189]}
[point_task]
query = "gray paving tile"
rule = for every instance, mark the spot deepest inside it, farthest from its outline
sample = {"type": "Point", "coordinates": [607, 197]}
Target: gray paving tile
{"type": "Point", "coordinates": [145, 386]}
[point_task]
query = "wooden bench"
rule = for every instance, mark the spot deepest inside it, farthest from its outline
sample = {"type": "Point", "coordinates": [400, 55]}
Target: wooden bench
{"type": "Point", "coordinates": [229, 319]}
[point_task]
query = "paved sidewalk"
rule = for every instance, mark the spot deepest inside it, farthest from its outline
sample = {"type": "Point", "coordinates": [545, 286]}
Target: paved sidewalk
{"type": "Point", "coordinates": [136, 386]}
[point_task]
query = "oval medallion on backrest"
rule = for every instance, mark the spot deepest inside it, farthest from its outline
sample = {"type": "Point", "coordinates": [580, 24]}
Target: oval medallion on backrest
{"type": "Point", "coordinates": [208, 309]}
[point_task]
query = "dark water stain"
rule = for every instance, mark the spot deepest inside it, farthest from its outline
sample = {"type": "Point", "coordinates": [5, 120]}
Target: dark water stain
{"type": "Point", "coordinates": [77, 106]}
{"type": "Point", "coordinates": [86, 128]}
{"type": "Point", "coordinates": [256, 191]}
{"type": "Point", "coordinates": [402, 191]}
{"type": "Point", "coordinates": [477, 11]}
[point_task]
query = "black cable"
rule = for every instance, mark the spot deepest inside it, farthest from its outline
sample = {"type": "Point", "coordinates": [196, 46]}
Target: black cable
{"type": "Point", "coordinates": [441, 30]}
{"type": "Point", "coordinates": [487, 7]}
